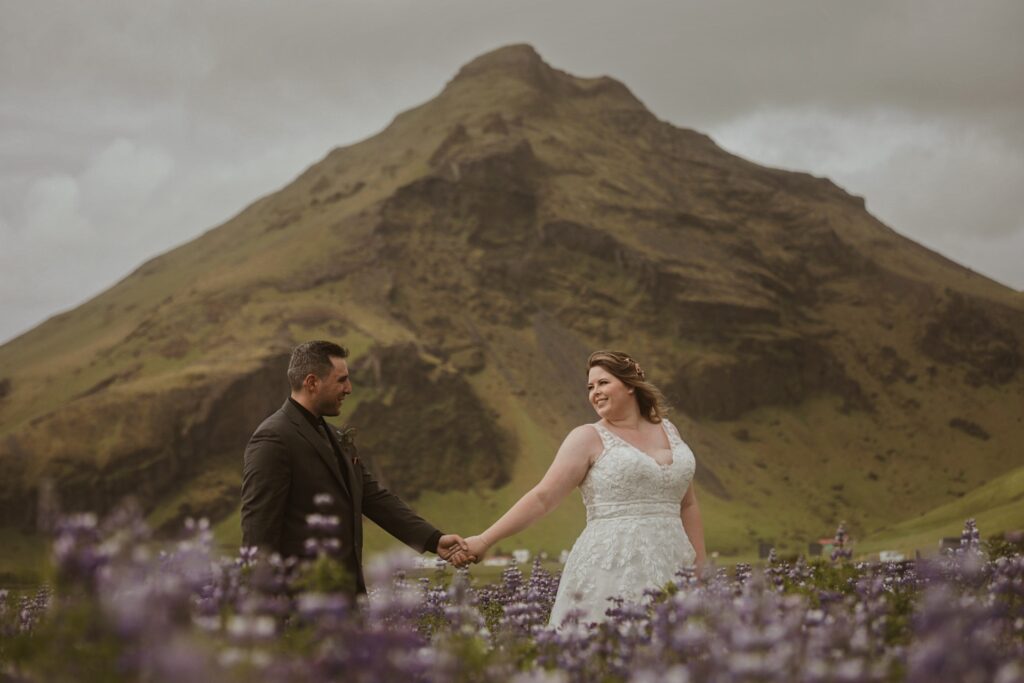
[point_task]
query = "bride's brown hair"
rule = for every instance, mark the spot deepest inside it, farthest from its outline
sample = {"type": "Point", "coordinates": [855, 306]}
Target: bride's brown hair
{"type": "Point", "coordinates": [653, 405]}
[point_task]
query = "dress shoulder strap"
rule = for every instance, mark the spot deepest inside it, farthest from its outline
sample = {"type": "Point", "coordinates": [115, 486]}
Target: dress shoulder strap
{"type": "Point", "coordinates": [673, 433]}
{"type": "Point", "coordinates": [607, 440]}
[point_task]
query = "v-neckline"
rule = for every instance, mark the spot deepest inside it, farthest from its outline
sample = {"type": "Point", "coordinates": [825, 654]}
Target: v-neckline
{"type": "Point", "coordinates": [645, 453]}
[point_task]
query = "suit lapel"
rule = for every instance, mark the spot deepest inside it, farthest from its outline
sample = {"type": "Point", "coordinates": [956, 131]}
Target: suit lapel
{"type": "Point", "coordinates": [356, 489]}
{"type": "Point", "coordinates": [356, 496]}
{"type": "Point", "coordinates": [316, 440]}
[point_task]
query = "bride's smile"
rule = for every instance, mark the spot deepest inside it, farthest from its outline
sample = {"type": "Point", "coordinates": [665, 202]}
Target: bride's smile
{"type": "Point", "coordinates": [607, 392]}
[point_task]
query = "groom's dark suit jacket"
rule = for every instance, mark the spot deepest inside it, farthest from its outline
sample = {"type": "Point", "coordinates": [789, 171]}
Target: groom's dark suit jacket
{"type": "Point", "coordinates": [288, 461]}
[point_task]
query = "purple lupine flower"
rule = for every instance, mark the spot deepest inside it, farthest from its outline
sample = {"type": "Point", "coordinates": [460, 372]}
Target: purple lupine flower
{"type": "Point", "coordinates": [956, 638]}
{"type": "Point", "coordinates": [840, 551]}
{"type": "Point", "coordinates": [247, 555]}
{"type": "Point", "coordinates": [970, 537]}
{"type": "Point", "coordinates": [31, 609]}
{"type": "Point", "coordinates": [177, 610]}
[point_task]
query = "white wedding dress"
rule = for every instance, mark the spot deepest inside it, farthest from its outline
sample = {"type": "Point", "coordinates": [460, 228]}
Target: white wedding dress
{"type": "Point", "coordinates": [634, 538]}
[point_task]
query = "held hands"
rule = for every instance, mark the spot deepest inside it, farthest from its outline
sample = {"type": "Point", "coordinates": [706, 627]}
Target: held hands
{"type": "Point", "coordinates": [473, 551]}
{"type": "Point", "coordinates": [453, 548]}
{"type": "Point", "coordinates": [462, 552]}
{"type": "Point", "coordinates": [476, 547]}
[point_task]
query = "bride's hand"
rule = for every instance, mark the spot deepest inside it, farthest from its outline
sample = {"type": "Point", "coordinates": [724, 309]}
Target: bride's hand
{"type": "Point", "coordinates": [477, 546]}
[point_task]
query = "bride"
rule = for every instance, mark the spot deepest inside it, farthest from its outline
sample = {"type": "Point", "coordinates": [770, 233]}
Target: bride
{"type": "Point", "coordinates": [636, 477]}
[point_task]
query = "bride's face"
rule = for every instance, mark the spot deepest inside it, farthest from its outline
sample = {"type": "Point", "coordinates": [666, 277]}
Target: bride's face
{"type": "Point", "coordinates": [608, 395]}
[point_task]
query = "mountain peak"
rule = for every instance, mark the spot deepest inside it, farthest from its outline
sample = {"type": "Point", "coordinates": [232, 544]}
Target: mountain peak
{"type": "Point", "coordinates": [520, 59]}
{"type": "Point", "coordinates": [523, 63]}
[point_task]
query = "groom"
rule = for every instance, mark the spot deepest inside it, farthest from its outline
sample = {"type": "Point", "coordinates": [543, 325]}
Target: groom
{"type": "Point", "coordinates": [295, 455]}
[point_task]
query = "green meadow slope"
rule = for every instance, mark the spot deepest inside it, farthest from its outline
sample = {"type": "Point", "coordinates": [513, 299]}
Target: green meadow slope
{"type": "Point", "coordinates": [995, 506]}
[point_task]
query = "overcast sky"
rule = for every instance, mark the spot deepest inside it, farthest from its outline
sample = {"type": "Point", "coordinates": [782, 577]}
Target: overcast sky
{"type": "Point", "coordinates": [128, 127]}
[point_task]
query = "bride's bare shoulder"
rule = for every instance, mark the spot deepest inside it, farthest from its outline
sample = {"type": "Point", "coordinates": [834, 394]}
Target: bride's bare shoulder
{"type": "Point", "coordinates": [585, 440]}
{"type": "Point", "coordinates": [586, 431]}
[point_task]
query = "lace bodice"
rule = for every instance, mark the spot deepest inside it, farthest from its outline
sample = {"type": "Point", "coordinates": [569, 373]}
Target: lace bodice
{"type": "Point", "coordinates": [634, 539]}
{"type": "Point", "coordinates": [626, 481]}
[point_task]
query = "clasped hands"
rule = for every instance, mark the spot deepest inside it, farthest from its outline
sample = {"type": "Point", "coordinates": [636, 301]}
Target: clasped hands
{"type": "Point", "coordinates": [462, 551]}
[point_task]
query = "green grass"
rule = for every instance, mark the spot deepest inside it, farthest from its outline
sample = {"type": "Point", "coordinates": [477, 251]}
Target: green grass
{"type": "Point", "coordinates": [997, 506]}
{"type": "Point", "coordinates": [25, 558]}
{"type": "Point", "coordinates": [220, 477]}
{"type": "Point", "coordinates": [227, 533]}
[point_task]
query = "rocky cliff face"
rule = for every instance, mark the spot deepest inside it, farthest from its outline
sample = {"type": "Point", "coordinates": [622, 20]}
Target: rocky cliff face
{"type": "Point", "coordinates": [473, 253]}
{"type": "Point", "coordinates": [426, 428]}
{"type": "Point", "coordinates": [107, 444]}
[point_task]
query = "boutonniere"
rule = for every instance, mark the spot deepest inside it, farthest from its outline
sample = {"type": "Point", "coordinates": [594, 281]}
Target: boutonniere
{"type": "Point", "coordinates": [347, 438]}
{"type": "Point", "coordinates": [345, 435]}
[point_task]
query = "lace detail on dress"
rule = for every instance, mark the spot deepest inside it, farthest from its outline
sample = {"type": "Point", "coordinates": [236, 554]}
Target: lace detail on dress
{"type": "Point", "coordinates": [610, 438]}
{"type": "Point", "coordinates": [639, 508]}
{"type": "Point", "coordinates": [634, 538]}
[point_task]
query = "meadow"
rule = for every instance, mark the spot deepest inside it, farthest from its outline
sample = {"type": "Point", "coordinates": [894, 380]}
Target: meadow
{"type": "Point", "coordinates": [120, 606]}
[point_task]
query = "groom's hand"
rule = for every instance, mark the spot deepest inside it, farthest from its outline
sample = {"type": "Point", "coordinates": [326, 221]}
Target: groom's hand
{"type": "Point", "coordinates": [454, 549]}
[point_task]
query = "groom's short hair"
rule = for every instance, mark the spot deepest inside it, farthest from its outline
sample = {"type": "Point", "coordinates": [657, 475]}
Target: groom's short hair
{"type": "Point", "coordinates": [312, 357]}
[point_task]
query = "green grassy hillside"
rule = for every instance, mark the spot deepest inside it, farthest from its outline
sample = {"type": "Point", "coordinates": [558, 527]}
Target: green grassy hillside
{"type": "Point", "coordinates": [997, 506]}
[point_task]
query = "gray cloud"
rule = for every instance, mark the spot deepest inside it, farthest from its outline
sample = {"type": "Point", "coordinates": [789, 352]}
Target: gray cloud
{"type": "Point", "coordinates": [127, 128]}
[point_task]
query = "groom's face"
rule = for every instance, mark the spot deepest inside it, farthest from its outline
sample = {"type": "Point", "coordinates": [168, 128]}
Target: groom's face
{"type": "Point", "coordinates": [331, 390]}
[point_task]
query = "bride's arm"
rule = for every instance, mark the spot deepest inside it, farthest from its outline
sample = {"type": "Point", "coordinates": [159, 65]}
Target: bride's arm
{"type": "Point", "coordinates": [568, 469]}
{"type": "Point", "coordinates": [689, 510]}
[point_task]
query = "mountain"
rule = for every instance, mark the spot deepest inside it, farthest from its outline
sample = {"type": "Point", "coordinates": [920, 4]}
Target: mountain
{"type": "Point", "coordinates": [822, 366]}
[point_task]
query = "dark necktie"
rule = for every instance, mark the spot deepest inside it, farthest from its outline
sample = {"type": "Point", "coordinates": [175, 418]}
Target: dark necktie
{"type": "Point", "coordinates": [337, 453]}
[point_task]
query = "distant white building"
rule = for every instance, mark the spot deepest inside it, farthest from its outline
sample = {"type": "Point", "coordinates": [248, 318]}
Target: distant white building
{"type": "Point", "coordinates": [891, 556]}
{"type": "Point", "coordinates": [498, 561]}
{"type": "Point", "coordinates": [521, 555]}
{"type": "Point", "coordinates": [428, 562]}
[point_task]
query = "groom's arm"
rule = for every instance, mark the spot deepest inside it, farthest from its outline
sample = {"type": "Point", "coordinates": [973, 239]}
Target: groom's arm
{"type": "Point", "coordinates": [390, 513]}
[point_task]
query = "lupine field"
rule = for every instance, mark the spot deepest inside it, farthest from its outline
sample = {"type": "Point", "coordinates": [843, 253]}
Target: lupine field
{"type": "Point", "coordinates": [122, 607]}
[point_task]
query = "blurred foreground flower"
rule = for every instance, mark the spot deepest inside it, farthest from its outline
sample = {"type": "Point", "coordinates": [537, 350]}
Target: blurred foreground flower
{"type": "Point", "coordinates": [128, 608]}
